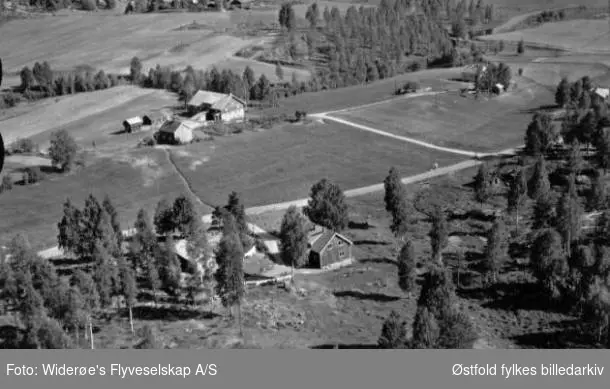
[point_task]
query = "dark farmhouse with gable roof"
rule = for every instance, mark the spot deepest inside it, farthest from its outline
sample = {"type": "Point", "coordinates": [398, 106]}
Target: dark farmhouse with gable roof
{"type": "Point", "coordinates": [327, 248]}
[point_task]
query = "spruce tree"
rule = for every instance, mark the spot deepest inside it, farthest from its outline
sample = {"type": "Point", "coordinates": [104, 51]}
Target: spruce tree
{"type": "Point", "coordinates": [425, 330]}
{"type": "Point", "coordinates": [407, 268]}
{"type": "Point", "coordinates": [562, 94]}
{"type": "Point", "coordinates": [114, 219]}
{"type": "Point", "coordinates": [395, 202]}
{"type": "Point", "coordinates": [69, 228]}
{"type": "Point", "coordinates": [568, 219]}
{"type": "Point", "coordinates": [393, 332]}
{"type": "Point", "coordinates": [169, 268]}
{"type": "Point", "coordinates": [229, 276]}
{"type": "Point", "coordinates": [517, 195]}
{"type": "Point", "coordinates": [184, 213]}
{"type": "Point", "coordinates": [549, 262]}
{"type": "Point", "coordinates": [539, 184]}
{"type": "Point", "coordinates": [495, 252]}
{"type": "Point", "coordinates": [236, 208]}
{"type": "Point", "coordinates": [482, 184]}
{"type": "Point", "coordinates": [439, 234]}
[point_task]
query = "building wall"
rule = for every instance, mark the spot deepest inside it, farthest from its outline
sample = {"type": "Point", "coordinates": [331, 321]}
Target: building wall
{"type": "Point", "coordinates": [234, 115]}
{"type": "Point", "coordinates": [183, 135]}
{"type": "Point", "coordinates": [335, 252]}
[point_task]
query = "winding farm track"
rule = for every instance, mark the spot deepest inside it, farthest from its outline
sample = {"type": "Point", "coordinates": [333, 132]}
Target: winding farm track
{"type": "Point", "coordinates": [54, 252]}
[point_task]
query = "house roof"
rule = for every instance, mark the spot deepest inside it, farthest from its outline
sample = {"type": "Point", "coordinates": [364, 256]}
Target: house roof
{"type": "Point", "coordinates": [217, 101]}
{"type": "Point", "coordinates": [172, 126]}
{"type": "Point", "coordinates": [134, 120]}
{"type": "Point", "coordinates": [602, 92]}
{"type": "Point", "coordinates": [319, 241]}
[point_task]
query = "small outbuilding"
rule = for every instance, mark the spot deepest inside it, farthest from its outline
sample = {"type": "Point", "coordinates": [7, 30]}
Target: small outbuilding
{"type": "Point", "coordinates": [175, 132]}
{"type": "Point", "coordinates": [155, 118]}
{"type": "Point", "coordinates": [133, 124]}
{"type": "Point", "coordinates": [243, 4]}
{"type": "Point", "coordinates": [328, 249]}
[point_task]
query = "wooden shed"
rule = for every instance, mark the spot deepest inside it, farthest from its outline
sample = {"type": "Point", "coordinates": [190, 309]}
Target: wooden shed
{"type": "Point", "coordinates": [155, 118]}
{"type": "Point", "coordinates": [175, 132]}
{"type": "Point", "coordinates": [133, 124]}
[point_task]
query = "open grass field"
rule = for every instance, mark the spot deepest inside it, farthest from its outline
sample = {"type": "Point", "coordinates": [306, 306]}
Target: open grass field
{"type": "Point", "coordinates": [586, 36]}
{"type": "Point", "coordinates": [87, 116]}
{"type": "Point", "coordinates": [334, 99]}
{"type": "Point", "coordinates": [450, 120]}
{"type": "Point", "coordinates": [133, 179]}
{"type": "Point", "coordinates": [108, 41]}
{"type": "Point", "coordinates": [283, 163]}
{"type": "Point", "coordinates": [550, 74]}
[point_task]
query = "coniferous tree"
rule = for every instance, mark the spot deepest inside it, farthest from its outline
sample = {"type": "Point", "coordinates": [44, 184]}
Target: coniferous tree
{"type": "Point", "coordinates": [517, 195]}
{"type": "Point", "coordinates": [70, 228]}
{"type": "Point", "coordinates": [395, 202]}
{"type": "Point", "coordinates": [407, 268]}
{"type": "Point", "coordinates": [482, 184]}
{"type": "Point", "coordinates": [230, 273]}
{"type": "Point", "coordinates": [393, 332]}
{"type": "Point", "coordinates": [169, 267]}
{"type": "Point", "coordinates": [568, 219]}
{"type": "Point", "coordinates": [495, 251]}
{"type": "Point", "coordinates": [539, 184]}
{"type": "Point", "coordinates": [236, 208]}
{"type": "Point", "coordinates": [596, 196]}
{"type": "Point", "coordinates": [105, 275]}
{"type": "Point", "coordinates": [439, 234]}
{"type": "Point", "coordinates": [114, 219]}
{"type": "Point", "coordinates": [425, 330]}
{"type": "Point", "coordinates": [562, 94]}
{"type": "Point", "coordinates": [128, 288]}
{"type": "Point", "coordinates": [549, 262]}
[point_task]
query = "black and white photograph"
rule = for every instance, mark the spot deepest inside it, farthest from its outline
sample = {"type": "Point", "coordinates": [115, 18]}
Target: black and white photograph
{"type": "Point", "coordinates": [333, 174]}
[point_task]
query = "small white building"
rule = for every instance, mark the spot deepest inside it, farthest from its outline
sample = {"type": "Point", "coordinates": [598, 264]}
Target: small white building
{"type": "Point", "coordinates": [176, 132]}
{"type": "Point", "coordinates": [602, 92]}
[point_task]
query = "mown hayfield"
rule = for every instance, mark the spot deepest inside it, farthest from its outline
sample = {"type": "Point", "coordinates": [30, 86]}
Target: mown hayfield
{"type": "Point", "coordinates": [133, 179]}
{"type": "Point", "coordinates": [334, 99]}
{"type": "Point", "coordinates": [575, 35]}
{"type": "Point", "coordinates": [88, 116]}
{"type": "Point", "coordinates": [550, 74]}
{"type": "Point", "coordinates": [453, 121]}
{"type": "Point", "coordinates": [108, 41]}
{"type": "Point", "coordinates": [283, 163]}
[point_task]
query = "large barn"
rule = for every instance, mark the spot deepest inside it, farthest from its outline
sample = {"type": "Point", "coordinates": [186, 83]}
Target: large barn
{"type": "Point", "coordinates": [211, 106]}
{"type": "Point", "coordinates": [175, 132]}
{"type": "Point", "coordinates": [328, 248]}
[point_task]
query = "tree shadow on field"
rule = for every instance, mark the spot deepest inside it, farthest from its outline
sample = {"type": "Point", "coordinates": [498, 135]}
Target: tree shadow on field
{"type": "Point", "coordinates": [343, 346]}
{"type": "Point", "coordinates": [371, 242]}
{"type": "Point", "coordinates": [568, 334]}
{"type": "Point", "coordinates": [168, 313]}
{"type": "Point", "coordinates": [382, 260]}
{"type": "Point", "coordinates": [378, 297]}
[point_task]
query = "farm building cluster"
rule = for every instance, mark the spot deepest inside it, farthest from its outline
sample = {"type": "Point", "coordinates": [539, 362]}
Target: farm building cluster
{"type": "Point", "coordinates": [205, 108]}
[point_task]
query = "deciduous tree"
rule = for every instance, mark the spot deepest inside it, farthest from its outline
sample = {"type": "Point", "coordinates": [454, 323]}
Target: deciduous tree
{"type": "Point", "coordinates": [395, 202]}
{"type": "Point", "coordinates": [327, 206]}
{"type": "Point", "coordinates": [62, 150]}
{"type": "Point", "coordinates": [407, 268]}
{"type": "Point", "coordinates": [393, 332]}
{"type": "Point", "coordinates": [439, 234]}
{"type": "Point", "coordinates": [293, 239]}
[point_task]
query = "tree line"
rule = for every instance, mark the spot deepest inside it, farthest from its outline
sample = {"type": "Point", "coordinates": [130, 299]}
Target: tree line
{"type": "Point", "coordinates": [42, 81]}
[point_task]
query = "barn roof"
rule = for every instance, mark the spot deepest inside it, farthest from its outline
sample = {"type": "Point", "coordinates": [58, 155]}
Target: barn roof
{"type": "Point", "coordinates": [319, 241]}
{"type": "Point", "coordinates": [217, 101]}
{"type": "Point", "coordinates": [602, 92]}
{"type": "Point", "coordinates": [133, 121]}
{"type": "Point", "coordinates": [172, 126]}
{"type": "Point", "coordinates": [155, 115]}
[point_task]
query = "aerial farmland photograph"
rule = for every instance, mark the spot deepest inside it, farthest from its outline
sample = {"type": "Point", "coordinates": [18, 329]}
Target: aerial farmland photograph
{"type": "Point", "coordinates": [341, 174]}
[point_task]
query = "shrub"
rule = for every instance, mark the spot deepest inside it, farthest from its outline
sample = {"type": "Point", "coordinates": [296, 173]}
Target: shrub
{"type": "Point", "coordinates": [88, 5]}
{"type": "Point", "coordinates": [300, 115]}
{"type": "Point", "coordinates": [32, 175]}
{"type": "Point", "coordinates": [148, 141]}
{"type": "Point", "coordinates": [10, 100]}
{"type": "Point", "coordinates": [23, 146]}
{"type": "Point", "coordinates": [7, 184]}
